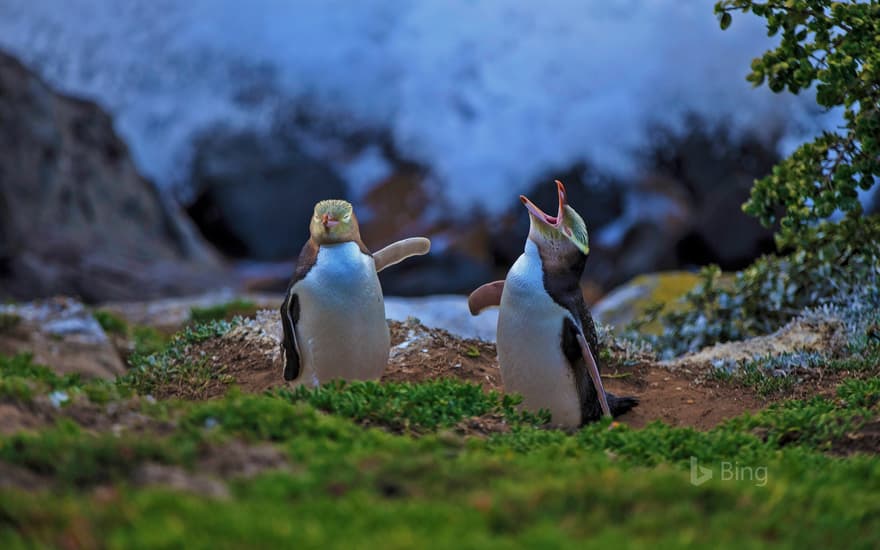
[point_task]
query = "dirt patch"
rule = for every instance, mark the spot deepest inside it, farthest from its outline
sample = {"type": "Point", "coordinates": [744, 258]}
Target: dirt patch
{"type": "Point", "coordinates": [864, 440]}
{"type": "Point", "coordinates": [484, 425]}
{"type": "Point", "coordinates": [419, 353]}
{"type": "Point", "coordinates": [15, 417]}
{"type": "Point", "coordinates": [177, 478]}
{"type": "Point", "coordinates": [16, 477]}
{"type": "Point", "coordinates": [236, 459]}
{"type": "Point", "coordinates": [679, 398]}
{"type": "Point", "coordinates": [249, 358]}
{"type": "Point", "coordinates": [217, 465]}
{"type": "Point", "coordinates": [117, 417]}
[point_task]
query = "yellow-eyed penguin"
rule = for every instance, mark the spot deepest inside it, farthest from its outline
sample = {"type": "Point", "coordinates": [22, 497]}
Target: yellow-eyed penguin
{"type": "Point", "coordinates": [333, 315]}
{"type": "Point", "coordinates": [546, 337]}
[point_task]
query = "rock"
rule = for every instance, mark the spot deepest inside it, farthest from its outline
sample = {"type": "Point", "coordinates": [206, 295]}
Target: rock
{"type": "Point", "coordinates": [629, 301]}
{"type": "Point", "coordinates": [76, 218]}
{"type": "Point", "coordinates": [822, 335]}
{"type": "Point", "coordinates": [171, 314]}
{"type": "Point", "coordinates": [256, 192]}
{"type": "Point", "coordinates": [62, 334]}
{"type": "Point", "coordinates": [716, 172]}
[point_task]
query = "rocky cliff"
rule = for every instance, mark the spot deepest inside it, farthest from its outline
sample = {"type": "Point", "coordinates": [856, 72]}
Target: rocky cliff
{"type": "Point", "coordinates": [75, 215]}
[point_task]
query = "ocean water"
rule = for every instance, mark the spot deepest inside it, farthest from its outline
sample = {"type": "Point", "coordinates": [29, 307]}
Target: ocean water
{"type": "Point", "coordinates": [489, 95]}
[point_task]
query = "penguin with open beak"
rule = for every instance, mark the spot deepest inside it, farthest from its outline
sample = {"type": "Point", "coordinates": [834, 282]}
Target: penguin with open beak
{"type": "Point", "coordinates": [546, 337]}
{"type": "Point", "coordinates": [333, 315]}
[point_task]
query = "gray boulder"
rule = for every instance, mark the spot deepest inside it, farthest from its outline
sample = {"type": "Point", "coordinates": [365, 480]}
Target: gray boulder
{"type": "Point", "coordinates": [75, 215]}
{"type": "Point", "coordinates": [256, 192]}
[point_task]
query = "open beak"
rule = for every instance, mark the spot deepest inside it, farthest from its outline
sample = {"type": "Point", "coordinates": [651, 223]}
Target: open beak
{"type": "Point", "coordinates": [552, 221]}
{"type": "Point", "coordinates": [329, 222]}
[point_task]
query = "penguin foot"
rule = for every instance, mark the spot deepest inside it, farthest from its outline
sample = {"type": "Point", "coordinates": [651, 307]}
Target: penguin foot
{"type": "Point", "coordinates": [620, 405]}
{"type": "Point", "coordinates": [616, 405]}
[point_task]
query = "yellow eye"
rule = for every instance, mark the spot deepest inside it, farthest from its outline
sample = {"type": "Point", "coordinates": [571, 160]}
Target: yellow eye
{"type": "Point", "coordinates": [346, 218]}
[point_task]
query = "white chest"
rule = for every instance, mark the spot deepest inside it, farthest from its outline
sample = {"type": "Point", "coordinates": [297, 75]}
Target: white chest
{"type": "Point", "coordinates": [342, 332]}
{"type": "Point", "coordinates": [530, 343]}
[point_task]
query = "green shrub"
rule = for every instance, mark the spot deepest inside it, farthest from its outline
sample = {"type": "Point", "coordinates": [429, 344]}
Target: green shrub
{"type": "Point", "coordinates": [837, 261]}
{"type": "Point", "coordinates": [833, 46]}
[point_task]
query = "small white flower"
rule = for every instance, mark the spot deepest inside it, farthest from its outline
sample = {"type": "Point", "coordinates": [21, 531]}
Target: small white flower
{"type": "Point", "coordinates": [58, 398]}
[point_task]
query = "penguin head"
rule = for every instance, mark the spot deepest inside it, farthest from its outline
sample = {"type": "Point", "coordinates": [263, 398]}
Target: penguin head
{"type": "Point", "coordinates": [565, 230]}
{"type": "Point", "coordinates": [334, 222]}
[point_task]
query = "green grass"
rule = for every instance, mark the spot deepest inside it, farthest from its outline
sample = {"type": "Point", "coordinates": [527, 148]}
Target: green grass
{"type": "Point", "coordinates": [384, 465]}
{"type": "Point", "coordinates": [756, 376]}
{"type": "Point", "coordinates": [405, 406]}
{"type": "Point", "coordinates": [531, 486]}
{"type": "Point", "coordinates": [21, 380]}
{"type": "Point", "coordinates": [778, 375]}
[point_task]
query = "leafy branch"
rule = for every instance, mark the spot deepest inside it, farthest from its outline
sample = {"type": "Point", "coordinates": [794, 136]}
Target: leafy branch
{"type": "Point", "coordinates": [834, 46]}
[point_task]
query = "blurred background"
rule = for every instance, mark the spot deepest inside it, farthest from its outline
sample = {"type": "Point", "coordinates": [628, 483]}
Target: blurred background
{"type": "Point", "coordinates": [162, 147]}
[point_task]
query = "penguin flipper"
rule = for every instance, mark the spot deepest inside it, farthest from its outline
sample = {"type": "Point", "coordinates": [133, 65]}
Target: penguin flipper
{"type": "Point", "coordinates": [486, 296]}
{"type": "Point", "coordinates": [395, 253]}
{"type": "Point", "coordinates": [593, 371]}
{"type": "Point", "coordinates": [289, 345]}
{"type": "Point", "coordinates": [576, 347]}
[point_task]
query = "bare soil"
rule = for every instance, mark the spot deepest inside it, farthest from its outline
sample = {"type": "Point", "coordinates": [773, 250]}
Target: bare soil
{"type": "Point", "coordinates": [680, 398]}
{"type": "Point", "coordinates": [683, 396]}
{"type": "Point", "coordinates": [864, 440]}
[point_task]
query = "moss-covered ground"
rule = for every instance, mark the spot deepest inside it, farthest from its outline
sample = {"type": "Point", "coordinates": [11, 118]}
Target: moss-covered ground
{"type": "Point", "coordinates": [397, 466]}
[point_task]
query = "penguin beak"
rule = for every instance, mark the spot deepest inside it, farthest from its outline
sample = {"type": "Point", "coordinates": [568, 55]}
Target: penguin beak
{"type": "Point", "coordinates": [329, 222]}
{"type": "Point", "coordinates": [552, 221]}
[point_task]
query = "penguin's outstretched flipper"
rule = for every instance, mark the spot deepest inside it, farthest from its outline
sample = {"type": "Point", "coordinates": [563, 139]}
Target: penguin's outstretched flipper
{"type": "Point", "coordinates": [289, 345]}
{"type": "Point", "coordinates": [395, 253]}
{"type": "Point", "coordinates": [486, 296]}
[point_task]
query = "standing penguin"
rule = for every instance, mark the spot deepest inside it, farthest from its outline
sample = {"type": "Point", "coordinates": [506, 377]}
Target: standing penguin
{"type": "Point", "coordinates": [546, 336]}
{"type": "Point", "coordinates": [333, 315]}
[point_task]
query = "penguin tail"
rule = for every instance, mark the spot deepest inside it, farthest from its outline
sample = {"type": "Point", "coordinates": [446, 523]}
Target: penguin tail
{"type": "Point", "coordinates": [620, 405]}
